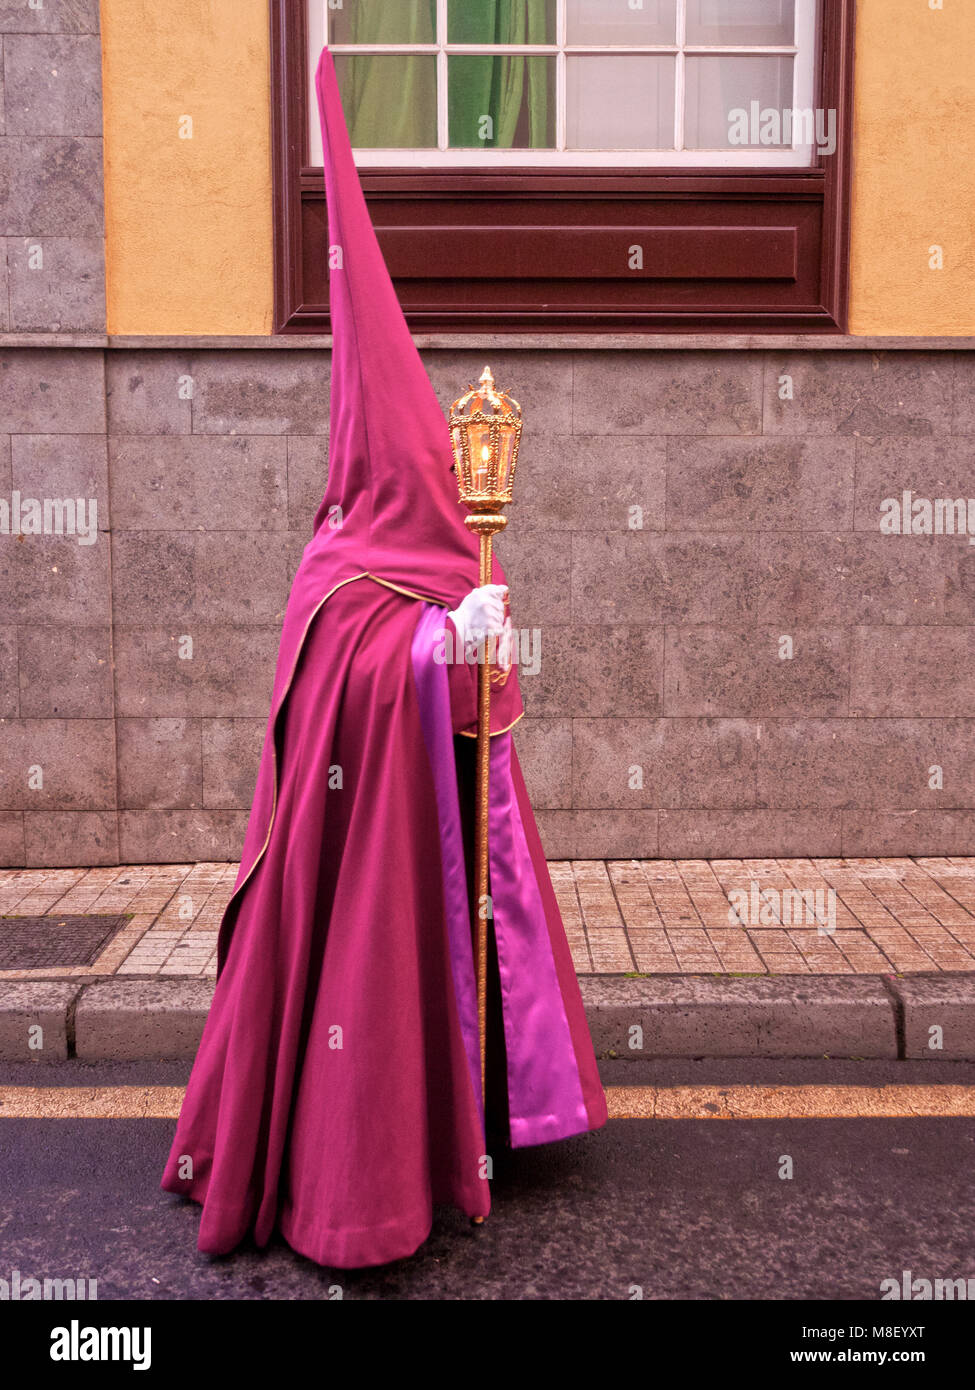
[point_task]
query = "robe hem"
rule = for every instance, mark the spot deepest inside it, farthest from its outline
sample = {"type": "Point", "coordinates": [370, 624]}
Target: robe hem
{"type": "Point", "coordinates": [394, 1240]}
{"type": "Point", "coordinates": [527, 1131]}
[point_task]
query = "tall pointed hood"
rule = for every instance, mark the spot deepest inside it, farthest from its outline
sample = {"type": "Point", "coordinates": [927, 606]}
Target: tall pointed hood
{"type": "Point", "coordinates": [391, 507]}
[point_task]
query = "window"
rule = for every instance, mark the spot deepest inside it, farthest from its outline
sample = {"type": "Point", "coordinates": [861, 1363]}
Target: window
{"type": "Point", "coordinates": [570, 82]}
{"type": "Point", "coordinates": [583, 165]}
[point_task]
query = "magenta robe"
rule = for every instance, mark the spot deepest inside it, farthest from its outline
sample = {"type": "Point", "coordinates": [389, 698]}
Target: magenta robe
{"type": "Point", "coordinates": [336, 1093]}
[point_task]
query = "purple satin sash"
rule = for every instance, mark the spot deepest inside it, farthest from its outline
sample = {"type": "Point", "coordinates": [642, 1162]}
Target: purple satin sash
{"type": "Point", "coordinates": [545, 1098]}
{"type": "Point", "coordinates": [545, 1092]}
{"type": "Point", "coordinates": [434, 699]}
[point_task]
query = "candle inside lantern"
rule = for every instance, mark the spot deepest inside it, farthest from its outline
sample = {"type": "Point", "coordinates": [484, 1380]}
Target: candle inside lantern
{"type": "Point", "coordinates": [481, 472]}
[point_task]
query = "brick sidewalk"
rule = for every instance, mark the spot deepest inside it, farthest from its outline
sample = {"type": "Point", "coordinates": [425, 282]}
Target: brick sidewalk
{"type": "Point", "coordinates": [621, 916]}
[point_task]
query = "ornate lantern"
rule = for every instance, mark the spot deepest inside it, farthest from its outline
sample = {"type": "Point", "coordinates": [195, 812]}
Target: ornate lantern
{"type": "Point", "coordinates": [485, 431]}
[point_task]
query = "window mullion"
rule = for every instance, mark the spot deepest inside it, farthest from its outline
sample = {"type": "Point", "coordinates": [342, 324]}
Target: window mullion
{"type": "Point", "coordinates": [679, 75]}
{"type": "Point", "coordinates": [795, 74]}
{"type": "Point", "coordinates": [443, 113]}
{"type": "Point", "coordinates": [561, 89]}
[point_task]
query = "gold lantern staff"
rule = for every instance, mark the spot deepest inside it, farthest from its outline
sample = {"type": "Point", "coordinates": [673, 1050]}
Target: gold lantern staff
{"type": "Point", "coordinates": [485, 431]}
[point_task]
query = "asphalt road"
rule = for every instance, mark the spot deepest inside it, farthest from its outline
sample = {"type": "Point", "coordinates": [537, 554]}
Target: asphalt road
{"type": "Point", "coordinates": [666, 1209]}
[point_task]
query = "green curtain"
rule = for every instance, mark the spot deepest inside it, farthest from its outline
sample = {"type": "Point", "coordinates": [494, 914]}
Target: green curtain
{"type": "Point", "coordinates": [498, 87]}
{"type": "Point", "coordinates": [392, 102]}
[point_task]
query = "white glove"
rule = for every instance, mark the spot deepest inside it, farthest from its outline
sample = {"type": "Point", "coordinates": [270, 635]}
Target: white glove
{"type": "Point", "coordinates": [480, 612]}
{"type": "Point", "coordinates": [505, 646]}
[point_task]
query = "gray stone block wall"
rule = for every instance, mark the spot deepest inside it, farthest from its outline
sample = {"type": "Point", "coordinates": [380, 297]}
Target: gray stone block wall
{"type": "Point", "coordinates": [52, 225]}
{"type": "Point", "coordinates": [57, 705]}
{"type": "Point", "coordinates": [760, 476]}
{"type": "Point", "coordinates": [682, 518]}
{"type": "Point", "coordinates": [677, 525]}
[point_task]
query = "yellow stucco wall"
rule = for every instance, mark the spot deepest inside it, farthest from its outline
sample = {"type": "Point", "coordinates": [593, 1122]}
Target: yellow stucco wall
{"type": "Point", "coordinates": [188, 222]}
{"type": "Point", "coordinates": [914, 168]}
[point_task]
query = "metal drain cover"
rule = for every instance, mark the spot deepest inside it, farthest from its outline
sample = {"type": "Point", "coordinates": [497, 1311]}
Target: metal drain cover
{"type": "Point", "coordinates": [29, 943]}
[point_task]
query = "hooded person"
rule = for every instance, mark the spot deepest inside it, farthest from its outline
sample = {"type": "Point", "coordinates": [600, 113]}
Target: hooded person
{"type": "Point", "coordinates": [336, 1093]}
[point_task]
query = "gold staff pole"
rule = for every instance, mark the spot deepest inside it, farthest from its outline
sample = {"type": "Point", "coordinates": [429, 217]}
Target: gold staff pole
{"type": "Point", "coordinates": [485, 431]}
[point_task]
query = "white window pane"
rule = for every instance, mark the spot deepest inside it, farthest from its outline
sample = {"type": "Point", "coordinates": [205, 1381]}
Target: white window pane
{"type": "Point", "coordinates": [728, 97]}
{"type": "Point", "coordinates": [621, 103]}
{"type": "Point", "coordinates": [383, 21]}
{"type": "Point", "coordinates": [615, 21]}
{"type": "Point", "coordinates": [741, 21]}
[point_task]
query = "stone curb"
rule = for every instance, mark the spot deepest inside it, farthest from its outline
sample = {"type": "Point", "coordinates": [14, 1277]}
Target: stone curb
{"type": "Point", "coordinates": [36, 1020]}
{"type": "Point", "coordinates": [708, 1016]}
{"type": "Point", "coordinates": [141, 1020]}
{"type": "Point", "coordinates": [939, 1015]}
{"type": "Point", "coordinates": [797, 1016]}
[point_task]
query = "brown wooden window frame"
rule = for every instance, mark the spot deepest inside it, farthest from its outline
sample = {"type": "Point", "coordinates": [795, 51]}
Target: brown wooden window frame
{"type": "Point", "coordinates": [731, 250]}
